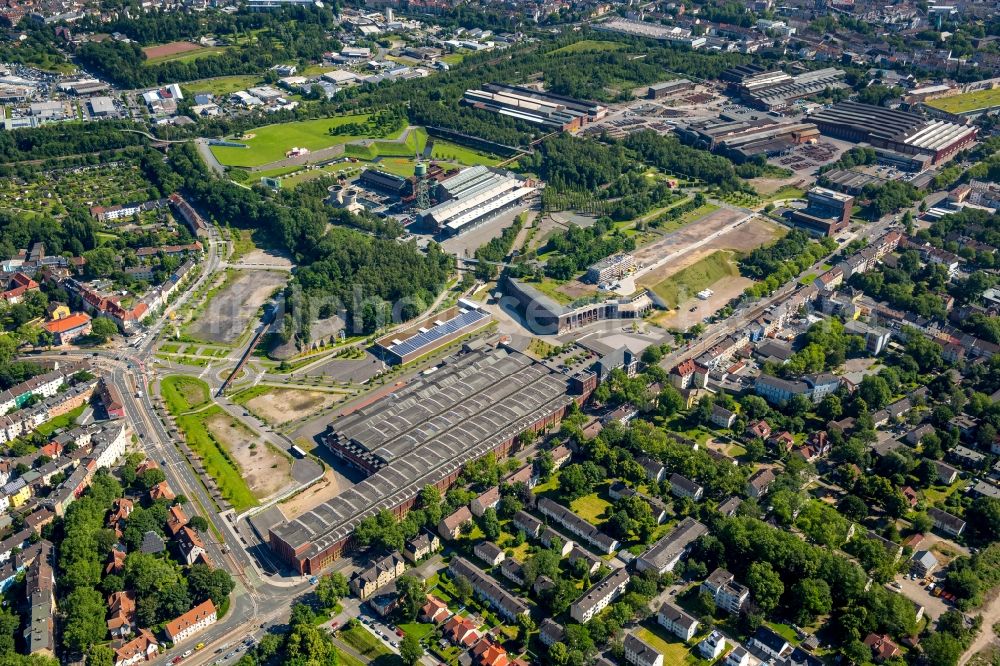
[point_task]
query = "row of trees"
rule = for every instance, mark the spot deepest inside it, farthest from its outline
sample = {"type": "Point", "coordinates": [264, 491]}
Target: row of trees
{"type": "Point", "coordinates": [776, 264]}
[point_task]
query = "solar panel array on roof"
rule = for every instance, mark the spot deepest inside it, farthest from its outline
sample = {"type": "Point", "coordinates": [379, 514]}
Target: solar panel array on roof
{"type": "Point", "coordinates": [426, 338]}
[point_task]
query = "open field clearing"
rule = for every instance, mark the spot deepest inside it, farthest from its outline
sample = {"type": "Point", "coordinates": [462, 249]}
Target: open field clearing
{"type": "Point", "coordinates": [979, 99]}
{"type": "Point", "coordinates": [171, 49]}
{"type": "Point", "coordinates": [590, 45]}
{"type": "Point", "coordinates": [265, 470]}
{"type": "Point", "coordinates": [183, 394]}
{"type": "Point", "coordinates": [280, 405]}
{"type": "Point", "coordinates": [700, 275]}
{"type": "Point", "coordinates": [673, 649]}
{"type": "Point", "coordinates": [217, 461]}
{"type": "Point", "coordinates": [207, 437]}
{"type": "Point", "coordinates": [693, 232]}
{"type": "Point", "coordinates": [452, 152]}
{"type": "Point", "coordinates": [271, 142]}
{"type": "Point", "coordinates": [232, 309]}
{"type": "Point", "coordinates": [744, 238]}
{"type": "Point", "coordinates": [411, 143]}
{"type": "Point", "coordinates": [179, 52]}
{"type": "Point", "coordinates": [221, 85]}
{"type": "Point", "coordinates": [332, 484]}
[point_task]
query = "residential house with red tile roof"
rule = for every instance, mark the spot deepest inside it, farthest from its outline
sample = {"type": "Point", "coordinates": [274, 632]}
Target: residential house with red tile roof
{"type": "Point", "coordinates": [882, 647]}
{"type": "Point", "coordinates": [141, 648]}
{"type": "Point", "coordinates": [68, 329]}
{"type": "Point", "coordinates": [187, 625]}
{"type": "Point", "coordinates": [434, 611]}
{"type": "Point", "coordinates": [161, 491]}
{"type": "Point", "coordinates": [176, 519]}
{"type": "Point", "coordinates": [121, 614]}
{"type": "Point", "coordinates": [460, 631]}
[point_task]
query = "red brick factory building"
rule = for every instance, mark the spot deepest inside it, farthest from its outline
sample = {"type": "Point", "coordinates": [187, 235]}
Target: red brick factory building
{"type": "Point", "coordinates": [475, 403]}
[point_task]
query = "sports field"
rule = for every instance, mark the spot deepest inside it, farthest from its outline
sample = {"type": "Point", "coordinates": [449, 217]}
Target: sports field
{"type": "Point", "coordinates": [979, 99]}
{"type": "Point", "coordinates": [269, 143]}
{"type": "Point", "coordinates": [179, 52]}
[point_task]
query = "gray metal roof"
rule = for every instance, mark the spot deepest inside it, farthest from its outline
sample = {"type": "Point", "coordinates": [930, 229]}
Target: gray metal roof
{"type": "Point", "coordinates": [428, 430]}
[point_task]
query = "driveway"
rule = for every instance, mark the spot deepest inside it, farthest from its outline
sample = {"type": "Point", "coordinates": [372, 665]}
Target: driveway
{"type": "Point", "coordinates": [934, 607]}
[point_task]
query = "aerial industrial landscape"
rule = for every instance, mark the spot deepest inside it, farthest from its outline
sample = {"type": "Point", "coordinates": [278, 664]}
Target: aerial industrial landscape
{"type": "Point", "coordinates": [478, 333]}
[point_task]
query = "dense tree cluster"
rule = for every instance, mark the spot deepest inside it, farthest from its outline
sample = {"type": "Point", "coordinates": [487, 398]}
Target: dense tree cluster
{"type": "Point", "coordinates": [163, 588]}
{"type": "Point", "coordinates": [774, 265]}
{"type": "Point", "coordinates": [373, 280]}
{"type": "Point", "coordinates": [667, 153]}
{"type": "Point", "coordinates": [304, 644]}
{"type": "Point", "coordinates": [58, 139]}
{"type": "Point", "coordinates": [292, 33]}
{"type": "Point", "coordinates": [579, 247]}
{"type": "Point", "coordinates": [889, 197]}
{"type": "Point", "coordinates": [910, 286]}
{"type": "Point", "coordinates": [982, 226]}
{"type": "Point", "coordinates": [783, 571]}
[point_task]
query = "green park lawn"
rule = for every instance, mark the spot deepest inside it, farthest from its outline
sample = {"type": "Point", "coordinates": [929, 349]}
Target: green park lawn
{"type": "Point", "coordinates": [60, 422]}
{"type": "Point", "coordinates": [364, 642]}
{"type": "Point", "coordinates": [674, 651]}
{"type": "Point", "coordinates": [221, 85]}
{"type": "Point", "coordinates": [446, 150]}
{"type": "Point", "coordinates": [590, 45]}
{"type": "Point", "coordinates": [978, 99]}
{"type": "Point", "coordinates": [183, 393]}
{"type": "Point", "coordinates": [219, 465]}
{"type": "Point", "coordinates": [785, 192]}
{"type": "Point", "coordinates": [785, 631]}
{"type": "Point", "coordinates": [344, 659]}
{"type": "Point", "coordinates": [270, 142]}
{"type": "Point", "coordinates": [420, 630]}
{"type": "Point", "coordinates": [701, 275]}
{"type": "Point", "coordinates": [687, 218]}
{"type": "Point", "coordinates": [591, 507]}
{"type": "Point", "coordinates": [936, 495]}
{"type": "Point", "coordinates": [413, 145]}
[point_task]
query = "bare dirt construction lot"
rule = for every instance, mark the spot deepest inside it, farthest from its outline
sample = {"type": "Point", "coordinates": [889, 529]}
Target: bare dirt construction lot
{"type": "Point", "coordinates": [743, 238]}
{"type": "Point", "coordinates": [233, 308]}
{"type": "Point", "coordinates": [263, 259]}
{"type": "Point", "coordinates": [173, 48]}
{"type": "Point", "coordinates": [265, 470]}
{"type": "Point", "coordinates": [281, 406]}
{"type": "Point", "coordinates": [684, 316]}
{"type": "Point", "coordinates": [688, 235]}
{"type": "Point", "coordinates": [332, 484]}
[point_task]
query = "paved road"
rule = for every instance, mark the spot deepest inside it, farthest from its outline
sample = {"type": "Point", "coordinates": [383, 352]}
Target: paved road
{"type": "Point", "coordinates": [747, 313]}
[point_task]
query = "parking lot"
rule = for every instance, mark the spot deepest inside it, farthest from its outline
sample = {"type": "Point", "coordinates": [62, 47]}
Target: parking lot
{"type": "Point", "coordinates": [916, 590]}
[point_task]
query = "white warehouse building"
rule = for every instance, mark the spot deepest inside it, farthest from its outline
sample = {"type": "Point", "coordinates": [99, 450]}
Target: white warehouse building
{"type": "Point", "coordinates": [473, 196]}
